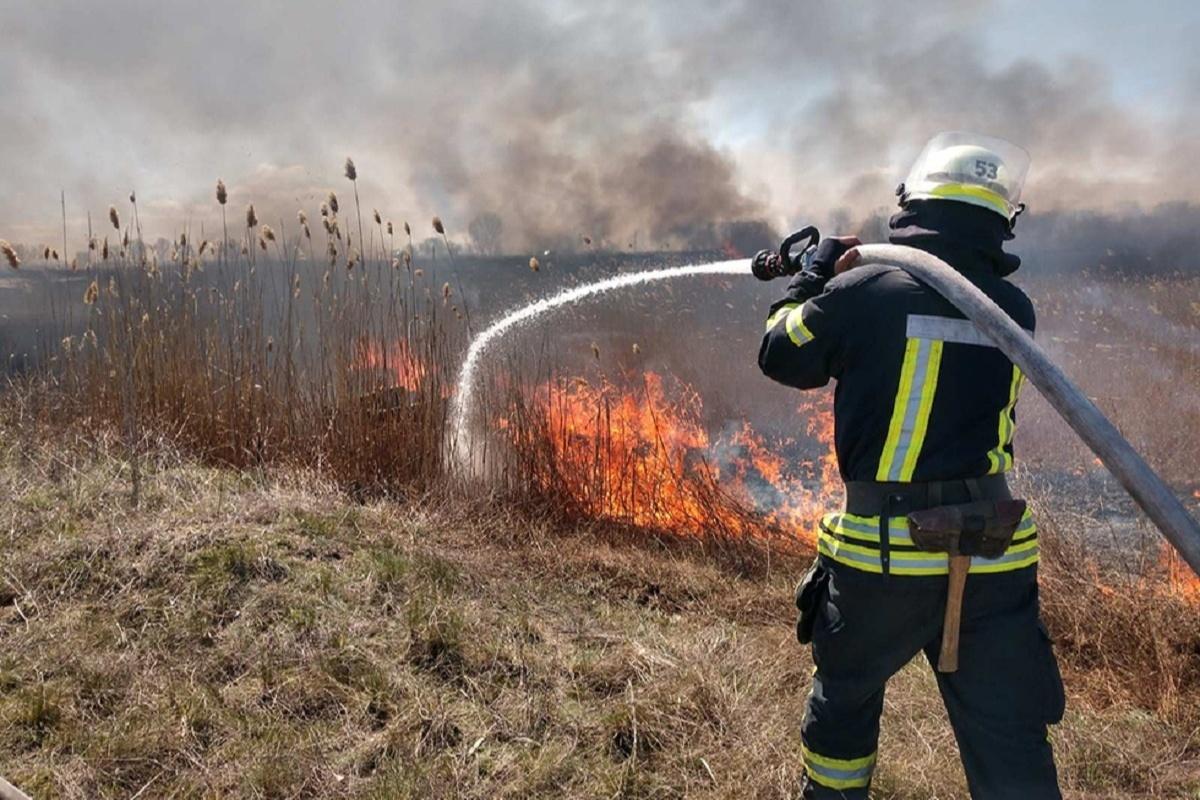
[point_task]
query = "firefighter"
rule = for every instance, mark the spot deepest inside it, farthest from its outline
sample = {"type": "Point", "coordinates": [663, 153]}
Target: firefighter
{"type": "Point", "coordinates": [924, 416]}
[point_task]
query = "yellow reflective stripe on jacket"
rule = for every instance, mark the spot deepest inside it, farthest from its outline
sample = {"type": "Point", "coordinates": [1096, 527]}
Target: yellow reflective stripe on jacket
{"type": "Point", "coordinates": [854, 541]}
{"type": "Point", "coordinates": [797, 331]}
{"type": "Point", "coordinates": [951, 191]}
{"type": "Point", "coordinates": [792, 316]}
{"type": "Point", "coordinates": [779, 314]}
{"type": "Point", "coordinates": [999, 459]}
{"type": "Point", "coordinates": [838, 773]}
{"type": "Point", "coordinates": [910, 414]}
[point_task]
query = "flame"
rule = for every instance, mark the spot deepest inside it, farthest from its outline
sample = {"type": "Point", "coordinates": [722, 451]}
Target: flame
{"type": "Point", "coordinates": [641, 456]}
{"type": "Point", "coordinates": [397, 360]}
{"type": "Point", "coordinates": [1180, 577]}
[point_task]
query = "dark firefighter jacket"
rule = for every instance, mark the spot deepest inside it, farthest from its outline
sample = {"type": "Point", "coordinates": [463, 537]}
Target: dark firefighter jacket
{"type": "Point", "coordinates": [921, 394]}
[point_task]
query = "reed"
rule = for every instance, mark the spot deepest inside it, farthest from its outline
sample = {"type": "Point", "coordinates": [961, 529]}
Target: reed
{"type": "Point", "coordinates": [10, 255]}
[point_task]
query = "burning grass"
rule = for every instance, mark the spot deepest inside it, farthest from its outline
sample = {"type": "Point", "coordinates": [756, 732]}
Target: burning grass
{"type": "Point", "coordinates": [266, 634]}
{"type": "Point", "coordinates": [639, 454]}
{"type": "Point", "coordinates": [299, 602]}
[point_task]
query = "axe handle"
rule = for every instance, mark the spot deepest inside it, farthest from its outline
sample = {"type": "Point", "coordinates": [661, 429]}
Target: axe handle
{"type": "Point", "coordinates": [948, 659]}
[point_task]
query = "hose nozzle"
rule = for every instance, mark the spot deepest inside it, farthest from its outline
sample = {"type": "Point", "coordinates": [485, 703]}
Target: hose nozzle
{"type": "Point", "coordinates": [768, 265]}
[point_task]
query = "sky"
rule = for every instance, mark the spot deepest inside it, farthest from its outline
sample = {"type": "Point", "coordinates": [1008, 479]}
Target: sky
{"type": "Point", "coordinates": [607, 119]}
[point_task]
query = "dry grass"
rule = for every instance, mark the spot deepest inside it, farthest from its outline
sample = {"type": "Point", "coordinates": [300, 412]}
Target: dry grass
{"type": "Point", "coordinates": [299, 601]}
{"type": "Point", "coordinates": [244, 363]}
{"type": "Point", "coordinates": [263, 634]}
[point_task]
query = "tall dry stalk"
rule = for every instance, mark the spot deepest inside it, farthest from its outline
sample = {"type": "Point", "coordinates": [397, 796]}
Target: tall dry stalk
{"type": "Point", "coordinates": [222, 197]}
{"type": "Point", "coordinates": [62, 196]}
{"type": "Point", "coordinates": [352, 174]}
{"type": "Point", "coordinates": [10, 254]}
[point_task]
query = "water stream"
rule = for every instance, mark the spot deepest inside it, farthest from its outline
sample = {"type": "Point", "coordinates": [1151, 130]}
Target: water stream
{"type": "Point", "coordinates": [463, 409]}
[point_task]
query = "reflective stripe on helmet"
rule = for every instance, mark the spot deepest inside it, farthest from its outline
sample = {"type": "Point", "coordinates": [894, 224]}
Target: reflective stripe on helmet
{"type": "Point", "coordinates": [970, 193]}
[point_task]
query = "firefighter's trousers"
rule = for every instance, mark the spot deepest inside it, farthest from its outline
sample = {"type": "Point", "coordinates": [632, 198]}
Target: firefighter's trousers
{"type": "Point", "coordinates": [1006, 691]}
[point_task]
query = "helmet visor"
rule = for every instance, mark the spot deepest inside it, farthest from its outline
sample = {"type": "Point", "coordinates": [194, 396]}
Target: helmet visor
{"type": "Point", "coordinates": [971, 168]}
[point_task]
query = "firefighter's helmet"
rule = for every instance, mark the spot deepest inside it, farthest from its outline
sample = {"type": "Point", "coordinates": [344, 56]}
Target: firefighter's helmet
{"type": "Point", "coordinates": [969, 168]}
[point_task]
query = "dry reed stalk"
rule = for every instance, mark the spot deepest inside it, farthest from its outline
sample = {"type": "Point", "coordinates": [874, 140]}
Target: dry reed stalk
{"type": "Point", "coordinates": [10, 254]}
{"type": "Point", "coordinates": [222, 197]}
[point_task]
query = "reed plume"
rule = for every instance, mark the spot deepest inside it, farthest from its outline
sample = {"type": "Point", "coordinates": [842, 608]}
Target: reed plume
{"type": "Point", "coordinates": [378, 219]}
{"type": "Point", "coordinates": [91, 294]}
{"type": "Point", "coordinates": [438, 226]}
{"type": "Point", "coordinates": [251, 217]}
{"type": "Point", "coordinates": [114, 218]}
{"type": "Point", "coordinates": [10, 255]}
{"type": "Point", "coordinates": [54, 254]}
{"type": "Point", "coordinates": [300, 215]}
{"type": "Point", "coordinates": [46, 254]}
{"type": "Point", "coordinates": [104, 249]}
{"type": "Point", "coordinates": [221, 198]}
{"type": "Point", "coordinates": [333, 202]}
{"type": "Point", "coordinates": [268, 234]}
{"type": "Point", "coordinates": [389, 228]}
{"type": "Point", "coordinates": [324, 209]}
{"type": "Point", "coordinates": [351, 172]}
{"type": "Point", "coordinates": [534, 264]}
{"type": "Point", "coordinates": [407, 229]}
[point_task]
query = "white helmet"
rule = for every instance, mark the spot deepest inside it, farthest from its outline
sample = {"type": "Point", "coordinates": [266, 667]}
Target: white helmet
{"type": "Point", "coordinates": [969, 168]}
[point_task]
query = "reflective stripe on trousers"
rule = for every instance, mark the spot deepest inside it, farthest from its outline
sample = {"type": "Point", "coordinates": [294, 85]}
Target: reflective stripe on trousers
{"type": "Point", "coordinates": [838, 773]}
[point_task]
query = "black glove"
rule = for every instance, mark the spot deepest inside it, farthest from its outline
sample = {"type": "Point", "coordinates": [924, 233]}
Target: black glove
{"type": "Point", "coordinates": [768, 265]}
{"type": "Point", "coordinates": [827, 254]}
{"type": "Point", "coordinates": [811, 281]}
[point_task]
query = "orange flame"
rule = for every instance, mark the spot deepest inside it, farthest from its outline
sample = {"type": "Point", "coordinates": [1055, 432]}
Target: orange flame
{"type": "Point", "coordinates": [397, 360]}
{"type": "Point", "coordinates": [638, 457]}
{"type": "Point", "coordinates": [1180, 577]}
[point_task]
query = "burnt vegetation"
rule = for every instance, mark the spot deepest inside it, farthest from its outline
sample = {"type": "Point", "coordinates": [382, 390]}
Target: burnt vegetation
{"type": "Point", "coordinates": [240, 560]}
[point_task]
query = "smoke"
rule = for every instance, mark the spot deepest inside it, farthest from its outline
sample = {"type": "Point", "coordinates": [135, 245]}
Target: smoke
{"type": "Point", "coordinates": [659, 125]}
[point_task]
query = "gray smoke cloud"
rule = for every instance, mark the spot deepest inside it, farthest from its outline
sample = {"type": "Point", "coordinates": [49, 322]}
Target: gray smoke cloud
{"type": "Point", "coordinates": [606, 120]}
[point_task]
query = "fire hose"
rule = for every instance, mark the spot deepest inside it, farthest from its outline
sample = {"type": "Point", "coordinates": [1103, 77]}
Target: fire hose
{"type": "Point", "coordinates": [1147, 489]}
{"type": "Point", "coordinates": [10, 792]}
{"type": "Point", "coordinates": [1101, 436]}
